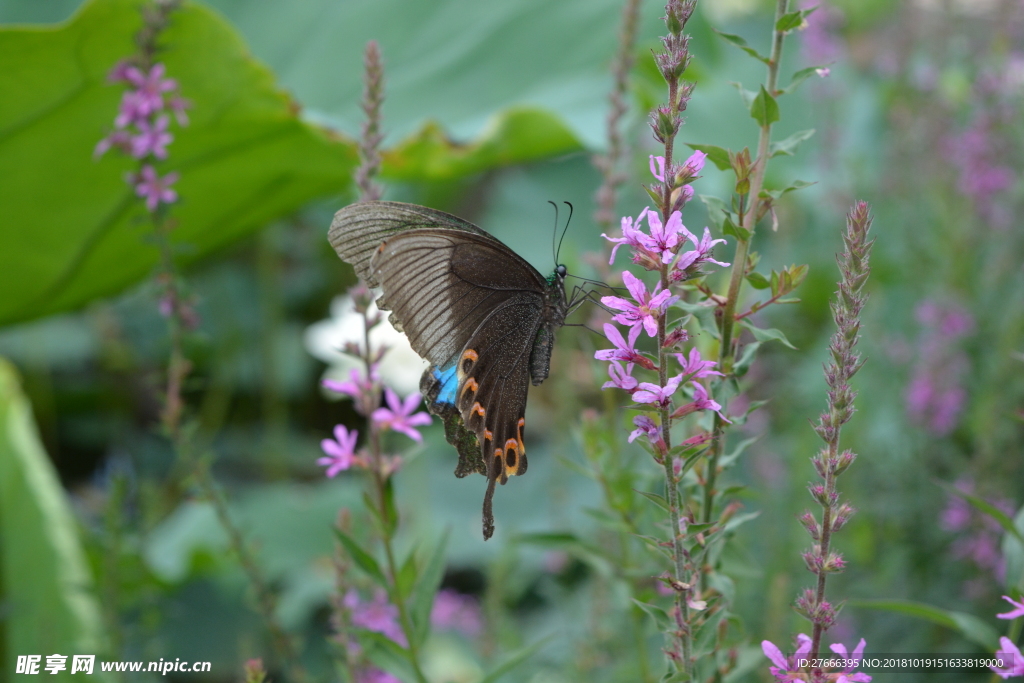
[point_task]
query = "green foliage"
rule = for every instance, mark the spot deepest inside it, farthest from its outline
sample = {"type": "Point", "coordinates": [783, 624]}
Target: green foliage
{"type": "Point", "coordinates": [48, 595]}
{"type": "Point", "coordinates": [71, 230]}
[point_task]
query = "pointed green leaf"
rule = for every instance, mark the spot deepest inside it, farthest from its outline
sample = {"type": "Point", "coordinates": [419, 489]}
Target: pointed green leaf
{"type": "Point", "coordinates": [655, 498]}
{"type": "Point", "coordinates": [763, 334]}
{"type": "Point", "coordinates": [659, 615]}
{"type": "Point", "coordinates": [798, 78]}
{"type": "Point", "coordinates": [764, 109]}
{"type": "Point", "coordinates": [758, 281]}
{"type": "Point", "coordinates": [969, 626]}
{"type": "Point", "coordinates": [363, 559]}
{"type": "Point", "coordinates": [748, 96]}
{"type": "Point", "coordinates": [792, 20]}
{"type": "Point", "coordinates": [719, 156]}
{"type": "Point", "coordinates": [788, 146]}
{"type": "Point", "coordinates": [739, 42]}
{"type": "Point", "coordinates": [407, 576]}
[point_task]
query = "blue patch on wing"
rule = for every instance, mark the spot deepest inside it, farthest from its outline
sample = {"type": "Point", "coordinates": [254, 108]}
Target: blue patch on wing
{"type": "Point", "coordinates": [449, 384]}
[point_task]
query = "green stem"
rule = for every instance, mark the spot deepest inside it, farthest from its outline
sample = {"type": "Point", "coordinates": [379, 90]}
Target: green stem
{"type": "Point", "coordinates": [748, 218]}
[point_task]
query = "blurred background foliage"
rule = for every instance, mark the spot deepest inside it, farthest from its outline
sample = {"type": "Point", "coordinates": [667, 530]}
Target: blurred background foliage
{"type": "Point", "coordinates": [492, 109]}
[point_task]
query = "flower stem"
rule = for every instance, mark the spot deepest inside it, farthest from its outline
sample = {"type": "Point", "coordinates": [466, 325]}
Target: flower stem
{"type": "Point", "coordinates": [748, 219]}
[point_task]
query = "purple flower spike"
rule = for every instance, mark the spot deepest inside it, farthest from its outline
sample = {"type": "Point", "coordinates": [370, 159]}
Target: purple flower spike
{"type": "Point", "coordinates": [398, 416]}
{"type": "Point", "coordinates": [340, 451]}
{"type": "Point", "coordinates": [1017, 611]}
{"type": "Point", "coordinates": [1008, 652]}
{"type": "Point", "coordinates": [652, 393]}
{"type": "Point", "coordinates": [155, 189]}
{"type": "Point", "coordinates": [621, 379]}
{"type": "Point", "coordinates": [647, 309]}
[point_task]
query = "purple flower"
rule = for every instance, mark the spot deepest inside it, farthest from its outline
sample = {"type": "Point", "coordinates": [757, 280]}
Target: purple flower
{"type": "Point", "coordinates": [786, 670]}
{"type": "Point", "coordinates": [150, 87]}
{"type": "Point", "coordinates": [847, 675]}
{"type": "Point", "coordinates": [647, 309]}
{"type": "Point", "coordinates": [399, 415]}
{"type": "Point", "coordinates": [1017, 611]}
{"type": "Point", "coordinates": [379, 615]}
{"type": "Point", "coordinates": [119, 72]}
{"type": "Point", "coordinates": [372, 675]}
{"type": "Point", "coordinates": [134, 108]}
{"type": "Point", "coordinates": [621, 379]}
{"type": "Point", "coordinates": [340, 451]}
{"type": "Point", "coordinates": [154, 188]}
{"type": "Point", "coordinates": [694, 367]}
{"type": "Point", "coordinates": [701, 254]}
{"type": "Point", "coordinates": [1008, 652]}
{"type": "Point", "coordinates": [454, 611]}
{"type": "Point", "coordinates": [631, 234]}
{"type": "Point", "coordinates": [623, 350]}
{"type": "Point", "coordinates": [704, 402]}
{"type": "Point", "coordinates": [659, 172]}
{"type": "Point", "coordinates": [691, 167]}
{"type": "Point", "coordinates": [178, 106]}
{"type": "Point", "coordinates": [356, 387]}
{"type": "Point", "coordinates": [646, 426]}
{"type": "Point", "coordinates": [652, 393]}
{"type": "Point", "coordinates": [152, 139]}
{"type": "Point", "coordinates": [665, 239]}
{"type": "Point", "coordinates": [119, 139]}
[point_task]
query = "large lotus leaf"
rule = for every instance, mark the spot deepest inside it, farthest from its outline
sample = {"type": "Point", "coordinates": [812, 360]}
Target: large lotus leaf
{"type": "Point", "coordinates": [71, 229]}
{"type": "Point", "coordinates": [44, 579]}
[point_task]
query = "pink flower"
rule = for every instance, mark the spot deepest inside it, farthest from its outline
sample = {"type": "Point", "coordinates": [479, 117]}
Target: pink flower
{"type": "Point", "coordinates": [692, 166]}
{"type": "Point", "coordinates": [694, 367]}
{"type": "Point", "coordinates": [134, 108]}
{"type": "Point", "coordinates": [701, 254]}
{"type": "Point", "coordinates": [847, 675]}
{"type": "Point", "coordinates": [652, 393]}
{"type": "Point", "coordinates": [631, 234]}
{"type": "Point", "coordinates": [372, 675]}
{"type": "Point", "coordinates": [399, 415]}
{"type": "Point", "coordinates": [623, 350]}
{"type": "Point", "coordinates": [621, 379]}
{"type": "Point", "coordinates": [701, 401]}
{"type": "Point", "coordinates": [356, 387]}
{"type": "Point", "coordinates": [454, 611]}
{"type": "Point", "coordinates": [646, 426]}
{"type": "Point", "coordinates": [379, 615]}
{"type": "Point", "coordinates": [150, 87]}
{"type": "Point", "coordinates": [786, 670]}
{"type": "Point", "coordinates": [647, 309]}
{"type": "Point", "coordinates": [119, 139]}
{"type": "Point", "coordinates": [1017, 611]}
{"type": "Point", "coordinates": [1009, 653]}
{"type": "Point", "coordinates": [154, 188]}
{"type": "Point", "coordinates": [659, 172]}
{"type": "Point", "coordinates": [152, 139]}
{"type": "Point", "coordinates": [340, 451]}
{"type": "Point", "coordinates": [665, 239]}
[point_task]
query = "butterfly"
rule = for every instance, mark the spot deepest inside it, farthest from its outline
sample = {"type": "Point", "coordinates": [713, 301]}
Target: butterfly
{"type": "Point", "coordinates": [482, 316]}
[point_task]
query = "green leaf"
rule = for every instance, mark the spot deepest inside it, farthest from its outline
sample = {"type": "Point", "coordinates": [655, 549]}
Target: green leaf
{"type": "Point", "coordinates": [719, 156]}
{"type": "Point", "coordinates": [659, 615]}
{"type": "Point", "coordinates": [746, 358]}
{"type": "Point", "coordinates": [739, 42]}
{"type": "Point", "coordinates": [763, 334]}
{"type": "Point", "coordinates": [764, 109]}
{"type": "Point", "coordinates": [730, 228]}
{"type": "Point", "coordinates": [985, 507]}
{"type": "Point", "coordinates": [513, 660]}
{"type": "Point", "coordinates": [969, 626]}
{"type": "Point", "coordinates": [390, 520]}
{"type": "Point", "coordinates": [426, 590]}
{"type": "Point", "coordinates": [362, 558]}
{"type": "Point", "coordinates": [407, 575]}
{"type": "Point", "coordinates": [797, 185]}
{"type": "Point", "coordinates": [798, 78]}
{"type": "Point", "coordinates": [748, 96]}
{"type": "Point", "coordinates": [758, 281]}
{"type": "Point", "coordinates": [49, 603]}
{"type": "Point", "coordinates": [655, 498]}
{"type": "Point", "coordinates": [717, 210]}
{"type": "Point", "coordinates": [792, 20]}
{"type": "Point", "coordinates": [1013, 551]}
{"type": "Point", "coordinates": [789, 145]}
{"type": "Point", "coordinates": [73, 229]}
{"type": "Point", "coordinates": [386, 654]}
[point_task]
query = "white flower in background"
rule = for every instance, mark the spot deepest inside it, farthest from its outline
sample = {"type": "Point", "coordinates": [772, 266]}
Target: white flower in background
{"type": "Point", "coordinates": [400, 368]}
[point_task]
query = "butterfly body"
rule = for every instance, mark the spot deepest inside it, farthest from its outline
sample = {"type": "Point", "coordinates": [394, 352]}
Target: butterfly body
{"type": "Point", "coordinates": [482, 316]}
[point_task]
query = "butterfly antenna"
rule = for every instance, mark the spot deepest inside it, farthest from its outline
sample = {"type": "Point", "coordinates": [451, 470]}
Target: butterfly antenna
{"type": "Point", "coordinates": [554, 231]}
{"type": "Point", "coordinates": [559, 249]}
{"type": "Point", "coordinates": [586, 327]}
